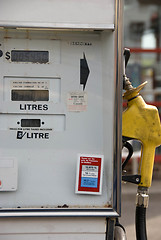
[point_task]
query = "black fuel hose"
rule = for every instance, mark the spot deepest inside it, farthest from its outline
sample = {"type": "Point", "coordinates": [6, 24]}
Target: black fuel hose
{"type": "Point", "coordinates": [140, 223]}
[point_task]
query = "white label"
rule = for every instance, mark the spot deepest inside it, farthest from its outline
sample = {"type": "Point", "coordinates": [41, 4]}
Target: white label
{"type": "Point", "coordinates": [77, 101]}
{"type": "Point", "coordinates": [90, 174]}
{"type": "Point", "coordinates": [90, 168]}
{"type": "Point", "coordinates": [41, 85]}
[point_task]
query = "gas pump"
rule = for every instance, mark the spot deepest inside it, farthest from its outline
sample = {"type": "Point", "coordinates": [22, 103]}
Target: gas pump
{"type": "Point", "coordinates": [141, 122]}
{"type": "Point", "coordinates": [60, 119]}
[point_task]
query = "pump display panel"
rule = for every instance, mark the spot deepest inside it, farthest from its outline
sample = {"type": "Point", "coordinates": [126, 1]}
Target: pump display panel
{"type": "Point", "coordinates": [30, 123]}
{"type": "Point", "coordinates": [30, 95]}
{"type": "Point", "coordinates": [29, 56]}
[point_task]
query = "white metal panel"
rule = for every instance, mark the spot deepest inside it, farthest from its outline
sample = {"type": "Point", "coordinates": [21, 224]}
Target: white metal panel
{"type": "Point", "coordinates": [47, 166]}
{"type": "Point", "coordinates": [8, 174]}
{"type": "Point", "coordinates": [34, 44]}
{"type": "Point", "coordinates": [65, 236]}
{"type": "Point", "coordinates": [52, 225]}
{"type": "Point", "coordinates": [58, 14]}
{"type": "Point", "coordinates": [55, 122]}
{"type": "Point", "coordinates": [29, 83]}
{"type": "Point", "coordinates": [53, 228]}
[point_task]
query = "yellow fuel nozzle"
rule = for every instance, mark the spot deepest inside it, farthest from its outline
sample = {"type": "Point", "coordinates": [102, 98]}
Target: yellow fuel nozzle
{"type": "Point", "coordinates": [141, 121]}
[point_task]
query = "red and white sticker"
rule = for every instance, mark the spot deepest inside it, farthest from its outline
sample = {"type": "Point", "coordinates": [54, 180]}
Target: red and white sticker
{"type": "Point", "coordinates": [77, 101]}
{"type": "Point", "coordinates": [89, 174]}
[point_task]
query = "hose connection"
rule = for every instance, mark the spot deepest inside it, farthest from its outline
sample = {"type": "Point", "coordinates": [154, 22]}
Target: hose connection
{"type": "Point", "coordinates": [142, 197]}
{"type": "Point", "coordinates": [127, 84]}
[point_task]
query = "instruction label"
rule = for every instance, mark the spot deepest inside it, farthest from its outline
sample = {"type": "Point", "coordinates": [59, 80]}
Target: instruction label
{"type": "Point", "coordinates": [77, 101]}
{"type": "Point", "coordinates": [34, 84]}
{"type": "Point", "coordinates": [89, 174]}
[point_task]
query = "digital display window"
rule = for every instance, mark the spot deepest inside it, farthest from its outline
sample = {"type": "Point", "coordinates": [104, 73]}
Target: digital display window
{"type": "Point", "coordinates": [29, 95]}
{"type": "Point", "coordinates": [29, 56]}
{"type": "Point", "coordinates": [30, 122]}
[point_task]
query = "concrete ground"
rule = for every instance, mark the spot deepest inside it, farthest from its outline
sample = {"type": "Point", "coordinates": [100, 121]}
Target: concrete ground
{"type": "Point", "coordinates": [153, 211]}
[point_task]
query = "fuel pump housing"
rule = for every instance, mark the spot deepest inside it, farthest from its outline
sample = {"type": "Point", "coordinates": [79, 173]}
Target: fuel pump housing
{"type": "Point", "coordinates": [60, 118]}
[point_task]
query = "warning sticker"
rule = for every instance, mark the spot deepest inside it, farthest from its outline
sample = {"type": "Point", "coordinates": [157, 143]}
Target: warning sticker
{"type": "Point", "coordinates": [89, 174]}
{"type": "Point", "coordinates": [77, 101]}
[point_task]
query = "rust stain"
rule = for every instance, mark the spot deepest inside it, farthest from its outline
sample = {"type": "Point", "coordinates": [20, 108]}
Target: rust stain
{"type": "Point", "coordinates": [86, 206]}
{"type": "Point", "coordinates": [6, 35]}
{"type": "Point", "coordinates": [27, 34]}
{"type": "Point", "coordinates": [64, 206]}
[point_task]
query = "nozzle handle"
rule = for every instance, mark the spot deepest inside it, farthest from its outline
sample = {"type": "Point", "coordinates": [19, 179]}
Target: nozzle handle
{"type": "Point", "coordinates": [147, 162]}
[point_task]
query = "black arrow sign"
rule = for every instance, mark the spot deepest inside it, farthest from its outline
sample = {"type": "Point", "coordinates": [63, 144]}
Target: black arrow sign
{"type": "Point", "coordinates": [84, 71]}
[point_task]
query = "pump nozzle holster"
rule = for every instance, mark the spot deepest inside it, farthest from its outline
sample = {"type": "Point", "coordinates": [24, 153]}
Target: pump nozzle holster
{"type": "Point", "coordinates": [141, 121]}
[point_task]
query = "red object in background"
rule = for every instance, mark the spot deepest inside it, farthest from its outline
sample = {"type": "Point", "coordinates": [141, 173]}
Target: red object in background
{"type": "Point", "coordinates": [145, 50]}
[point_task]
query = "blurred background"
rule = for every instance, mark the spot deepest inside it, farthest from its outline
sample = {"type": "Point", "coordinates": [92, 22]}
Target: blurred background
{"type": "Point", "coordinates": [142, 35]}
